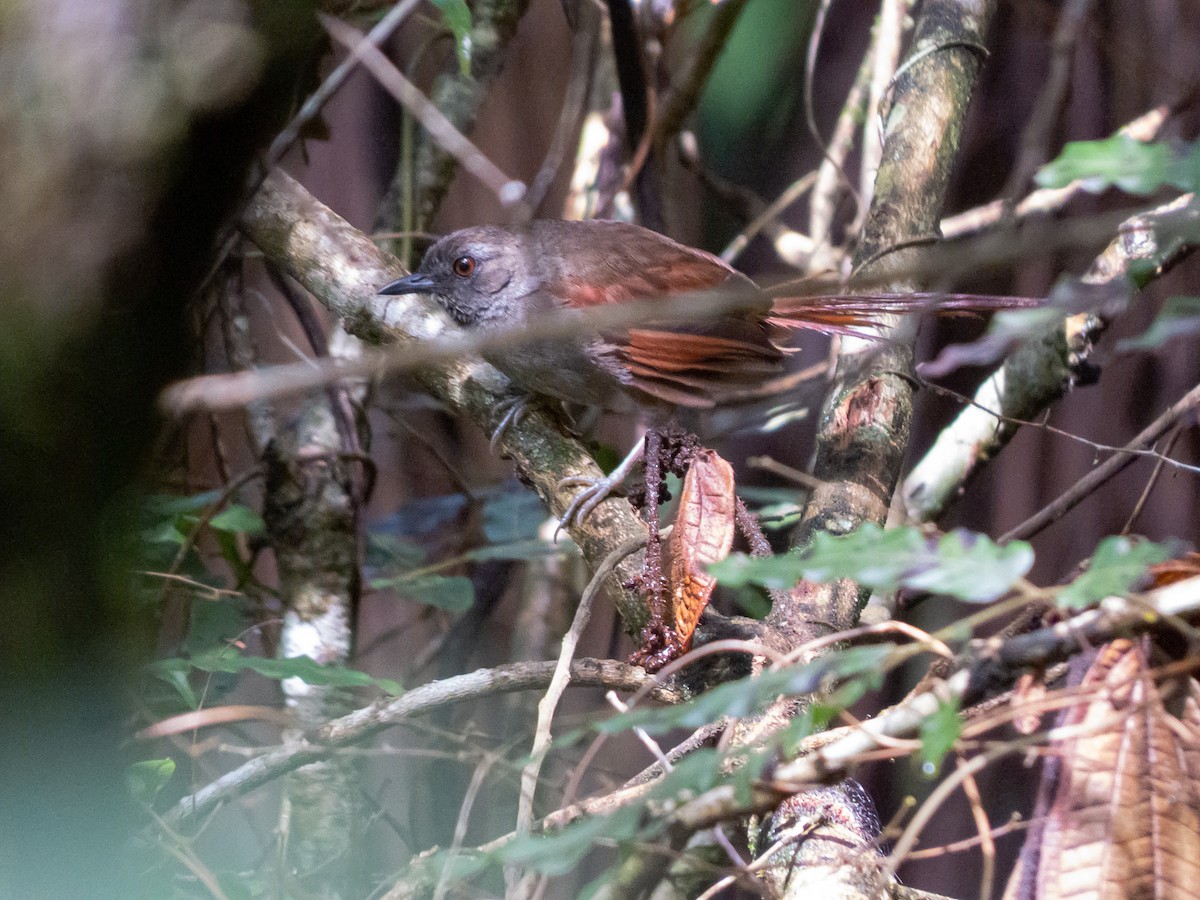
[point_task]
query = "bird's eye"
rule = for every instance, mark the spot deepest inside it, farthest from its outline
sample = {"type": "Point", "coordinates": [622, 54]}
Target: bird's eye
{"type": "Point", "coordinates": [464, 266]}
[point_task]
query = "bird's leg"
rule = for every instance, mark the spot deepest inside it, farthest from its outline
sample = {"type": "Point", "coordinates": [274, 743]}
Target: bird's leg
{"type": "Point", "coordinates": [596, 489]}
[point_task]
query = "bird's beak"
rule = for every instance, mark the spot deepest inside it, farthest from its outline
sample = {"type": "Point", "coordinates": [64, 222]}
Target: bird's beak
{"type": "Point", "coordinates": [416, 283]}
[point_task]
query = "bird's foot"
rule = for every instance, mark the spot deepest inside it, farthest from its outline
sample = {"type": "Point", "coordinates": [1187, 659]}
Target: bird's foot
{"type": "Point", "coordinates": [595, 490]}
{"type": "Point", "coordinates": [513, 410]}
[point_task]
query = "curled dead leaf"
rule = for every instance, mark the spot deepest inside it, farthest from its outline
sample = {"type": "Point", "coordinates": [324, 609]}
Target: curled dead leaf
{"type": "Point", "coordinates": [703, 534]}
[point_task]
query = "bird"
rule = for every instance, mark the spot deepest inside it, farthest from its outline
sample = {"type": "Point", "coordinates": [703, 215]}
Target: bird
{"type": "Point", "coordinates": [502, 277]}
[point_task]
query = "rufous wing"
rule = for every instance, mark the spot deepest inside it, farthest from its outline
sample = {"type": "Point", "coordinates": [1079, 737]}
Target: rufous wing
{"type": "Point", "coordinates": [684, 364]}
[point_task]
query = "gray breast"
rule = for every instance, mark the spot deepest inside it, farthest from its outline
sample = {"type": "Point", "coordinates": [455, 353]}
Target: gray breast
{"type": "Point", "coordinates": [563, 370]}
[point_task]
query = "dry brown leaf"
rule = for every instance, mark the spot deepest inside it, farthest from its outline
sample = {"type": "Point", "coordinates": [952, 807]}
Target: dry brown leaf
{"type": "Point", "coordinates": [703, 534]}
{"type": "Point", "coordinates": [1125, 820]}
{"type": "Point", "coordinates": [1173, 570]}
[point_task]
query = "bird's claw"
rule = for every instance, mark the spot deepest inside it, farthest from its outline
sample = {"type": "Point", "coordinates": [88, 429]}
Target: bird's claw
{"type": "Point", "coordinates": [514, 410]}
{"type": "Point", "coordinates": [595, 489]}
{"type": "Point", "coordinates": [594, 492]}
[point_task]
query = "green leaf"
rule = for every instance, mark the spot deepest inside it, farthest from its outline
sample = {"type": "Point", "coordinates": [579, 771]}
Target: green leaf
{"type": "Point", "coordinates": [212, 624]}
{"type": "Point", "coordinates": [692, 775]}
{"type": "Point", "coordinates": [972, 567]}
{"type": "Point", "coordinates": [1118, 566]}
{"type": "Point", "coordinates": [171, 519]}
{"type": "Point", "coordinates": [938, 734]}
{"type": "Point", "coordinates": [522, 551]}
{"type": "Point", "coordinates": [746, 776]}
{"type": "Point", "coordinates": [457, 866]}
{"type": "Point", "coordinates": [453, 593]}
{"type": "Point", "coordinates": [178, 679]}
{"type": "Point", "coordinates": [165, 532]}
{"type": "Point", "coordinates": [750, 695]}
{"type": "Point", "coordinates": [386, 551]}
{"type": "Point", "coordinates": [776, 508]}
{"type": "Point", "coordinates": [1187, 169]}
{"type": "Point", "coordinates": [559, 852]}
{"type": "Point", "coordinates": [231, 552]}
{"type": "Point", "coordinates": [238, 519]}
{"type": "Point", "coordinates": [752, 601]}
{"type": "Point", "coordinates": [146, 778]}
{"type": "Point", "coordinates": [778, 572]}
{"type": "Point", "coordinates": [457, 16]}
{"type": "Point", "coordinates": [510, 516]}
{"type": "Point", "coordinates": [1179, 317]}
{"type": "Point", "coordinates": [1121, 161]}
{"type": "Point", "coordinates": [243, 886]}
{"type": "Point", "coordinates": [310, 671]}
{"type": "Point", "coordinates": [158, 506]}
{"type": "Point", "coordinates": [873, 556]}
{"type": "Point", "coordinates": [961, 564]}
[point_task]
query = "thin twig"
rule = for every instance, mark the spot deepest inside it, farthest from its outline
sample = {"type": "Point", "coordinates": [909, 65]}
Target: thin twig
{"type": "Point", "coordinates": [1115, 464]}
{"type": "Point", "coordinates": [1016, 823]}
{"type": "Point", "coordinates": [722, 646]}
{"type": "Point", "coordinates": [683, 99]}
{"type": "Point", "coordinates": [363, 723]}
{"type": "Point", "coordinates": [791, 194]}
{"type": "Point", "coordinates": [312, 107]}
{"type": "Point", "coordinates": [941, 793]}
{"type": "Point", "coordinates": [464, 817]}
{"type": "Point", "coordinates": [1163, 459]}
{"type": "Point", "coordinates": [1160, 456]}
{"type": "Point", "coordinates": [810, 71]}
{"type": "Point", "coordinates": [822, 759]}
{"type": "Point", "coordinates": [308, 112]}
{"type": "Point", "coordinates": [1044, 200]}
{"type": "Point", "coordinates": [508, 191]}
{"type": "Point", "coordinates": [579, 83]}
{"type": "Point", "coordinates": [558, 683]}
{"type": "Point", "coordinates": [987, 846]}
{"type": "Point", "coordinates": [1035, 139]}
{"type": "Point", "coordinates": [1039, 371]}
{"type": "Point", "coordinates": [189, 540]}
{"type": "Point", "coordinates": [831, 176]}
{"type": "Point", "coordinates": [229, 391]}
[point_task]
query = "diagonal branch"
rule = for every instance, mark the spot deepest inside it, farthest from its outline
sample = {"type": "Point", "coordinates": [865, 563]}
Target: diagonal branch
{"type": "Point", "coordinates": [507, 190]}
{"type": "Point", "coordinates": [460, 97]}
{"type": "Point", "coordinates": [1041, 371]}
{"type": "Point", "coordinates": [355, 727]}
{"type": "Point", "coordinates": [343, 270]}
{"type": "Point", "coordinates": [1085, 486]}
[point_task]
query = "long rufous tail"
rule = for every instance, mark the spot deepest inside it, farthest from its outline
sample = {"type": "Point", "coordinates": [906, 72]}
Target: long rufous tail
{"type": "Point", "coordinates": [848, 314]}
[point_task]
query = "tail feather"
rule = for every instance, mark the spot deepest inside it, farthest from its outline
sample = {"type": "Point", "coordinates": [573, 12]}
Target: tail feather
{"type": "Point", "coordinates": [858, 314]}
